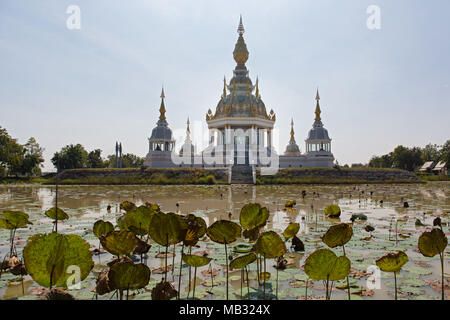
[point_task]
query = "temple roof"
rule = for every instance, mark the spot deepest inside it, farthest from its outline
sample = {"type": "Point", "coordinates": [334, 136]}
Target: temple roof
{"type": "Point", "coordinates": [318, 132]}
{"type": "Point", "coordinates": [162, 130]}
{"type": "Point", "coordinates": [292, 148]}
{"type": "Point", "coordinates": [238, 99]}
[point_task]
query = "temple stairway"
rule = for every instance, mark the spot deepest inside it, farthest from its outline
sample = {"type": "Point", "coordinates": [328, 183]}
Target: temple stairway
{"type": "Point", "coordinates": [241, 174]}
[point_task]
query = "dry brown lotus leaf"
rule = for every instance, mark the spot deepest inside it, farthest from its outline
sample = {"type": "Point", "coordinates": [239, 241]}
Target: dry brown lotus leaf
{"type": "Point", "coordinates": [164, 291]}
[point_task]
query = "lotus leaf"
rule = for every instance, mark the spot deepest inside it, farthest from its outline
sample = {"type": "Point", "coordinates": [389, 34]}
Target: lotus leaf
{"type": "Point", "coordinates": [152, 206]}
{"type": "Point", "coordinates": [290, 204]}
{"type": "Point", "coordinates": [291, 230]}
{"type": "Point", "coordinates": [392, 262]}
{"type": "Point", "coordinates": [333, 211]}
{"type": "Point", "coordinates": [242, 261]}
{"type": "Point", "coordinates": [196, 229]}
{"type": "Point", "coordinates": [270, 245]}
{"type": "Point", "coordinates": [56, 214]}
{"type": "Point", "coordinates": [432, 243]}
{"type": "Point", "coordinates": [264, 276]}
{"type": "Point", "coordinates": [129, 276]}
{"type": "Point", "coordinates": [102, 228]}
{"type": "Point", "coordinates": [167, 229]}
{"type": "Point", "coordinates": [49, 258]}
{"type": "Point", "coordinates": [14, 220]}
{"type": "Point", "coordinates": [127, 206]}
{"type": "Point", "coordinates": [224, 231]}
{"type": "Point", "coordinates": [338, 235]}
{"type": "Point", "coordinates": [253, 216]}
{"type": "Point", "coordinates": [138, 220]}
{"type": "Point", "coordinates": [242, 248]}
{"type": "Point", "coordinates": [195, 261]}
{"type": "Point", "coordinates": [119, 242]}
{"type": "Point", "coordinates": [323, 264]}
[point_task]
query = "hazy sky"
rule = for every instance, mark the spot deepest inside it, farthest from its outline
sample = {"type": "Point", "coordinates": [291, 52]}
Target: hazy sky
{"type": "Point", "coordinates": [100, 84]}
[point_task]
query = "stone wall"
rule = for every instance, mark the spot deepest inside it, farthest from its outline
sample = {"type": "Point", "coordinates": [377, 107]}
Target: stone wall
{"type": "Point", "coordinates": [342, 175]}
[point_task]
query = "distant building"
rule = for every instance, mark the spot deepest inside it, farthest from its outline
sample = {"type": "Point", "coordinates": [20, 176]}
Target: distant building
{"type": "Point", "coordinates": [440, 168]}
{"type": "Point", "coordinates": [427, 166]}
{"type": "Point", "coordinates": [240, 131]}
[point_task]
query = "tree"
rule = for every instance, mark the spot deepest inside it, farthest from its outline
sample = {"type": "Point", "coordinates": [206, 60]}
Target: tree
{"type": "Point", "coordinates": [70, 157]}
{"type": "Point", "coordinates": [129, 160]}
{"type": "Point", "coordinates": [384, 161]}
{"type": "Point", "coordinates": [444, 153]}
{"type": "Point", "coordinates": [11, 153]}
{"type": "Point", "coordinates": [430, 153]}
{"type": "Point", "coordinates": [32, 158]}
{"type": "Point", "coordinates": [95, 159]}
{"type": "Point", "coordinates": [407, 158]}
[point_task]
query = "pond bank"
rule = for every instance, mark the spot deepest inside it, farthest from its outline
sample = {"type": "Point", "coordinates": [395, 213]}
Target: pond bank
{"type": "Point", "coordinates": [219, 176]}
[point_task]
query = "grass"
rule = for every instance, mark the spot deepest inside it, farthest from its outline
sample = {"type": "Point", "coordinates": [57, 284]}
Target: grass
{"type": "Point", "coordinates": [432, 177]}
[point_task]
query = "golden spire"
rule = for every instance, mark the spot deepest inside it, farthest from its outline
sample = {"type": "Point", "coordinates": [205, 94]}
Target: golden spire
{"type": "Point", "coordinates": [224, 87]}
{"type": "Point", "coordinates": [240, 52]}
{"type": "Point", "coordinates": [240, 29]}
{"type": "Point", "coordinates": [317, 112]}
{"type": "Point", "coordinates": [257, 89]}
{"type": "Point", "coordinates": [292, 130]}
{"type": "Point", "coordinates": [162, 109]}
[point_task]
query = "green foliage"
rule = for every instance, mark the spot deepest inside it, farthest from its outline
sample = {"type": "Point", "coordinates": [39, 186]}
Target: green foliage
{"type": "Point", "coordinates": [270, 245]}
{"type": "Point", "coordinates": [129, 276]}
{"type": "Point", "coordinates": [291, 230]}
{"type": "Point", "coordinates": [323, 264]}
{"type": "Point", "coordinates": [70, 157]}
{"type": "Point", "coordinates": [95, 160]}
{"type": "Point", "coordinates": [167, 228]}
{"type": "Point", "coordinates": [54, 214]}
{"type": "Point", "coordinates": [432, 243]}
{"type": "Point", "coordinates": [196, 261]}
{"type": "Point", "coordinates": [392, 262]}
{"type": "Point", "coordinates": [138, 220]}
{"type": "Point", "coordinates": [127, 206]}
{"type": "Point", "coordinates": [102, 228]}
{"type": "Point", "coordinates": [224, 231]}
{"type": "Point", "coordinates": [253, 216]}
{"type": "Point", "coordinates": [48, 258]}
{"type": "Point", "coordinates": [14, 220]}
{"type": "Point", "coordinates": [129, 160]}
{"type": "Point", "coordinates": [333, 211]}
{"type": "Point", "coordinates": [119, 242]}
{"type": "Point", "coordinates": [242, 261]}
{"type": "Point", "coordinates": [338, 235]}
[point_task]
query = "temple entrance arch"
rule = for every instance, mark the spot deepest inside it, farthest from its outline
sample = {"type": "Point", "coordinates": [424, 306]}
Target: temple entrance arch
{"type": "Point", "coordinates": [241, 146]}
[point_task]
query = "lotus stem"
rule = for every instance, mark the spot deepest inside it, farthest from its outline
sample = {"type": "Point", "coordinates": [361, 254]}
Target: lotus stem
{"type": "Point", "coordinates": [181, 267]}
{"type": "Point", "coordinates": [195, 276]}
{"type": "Point", "coordinates": [306, 290]}
{"type": "Point", "coordinates": [348, 282]}
{"type": "Point", "coordinates": [226, 260]}
{"type": "Point", "coordinates": [167, 248]}
{"type": "Point", "coordinates": [242, 279]}
{"type": "Point", "coordinates": [441, 256]}
{"type": "Point", "coordinates": [395, 284]}
{"type": "Point", "coordinates": [248, 285]}
{"type": "Point", "coordinates": [264, 294]}
{"type": "Point", "coordinates": [173, 262]}
{"type": "Point", "coordinates": [277, 285]}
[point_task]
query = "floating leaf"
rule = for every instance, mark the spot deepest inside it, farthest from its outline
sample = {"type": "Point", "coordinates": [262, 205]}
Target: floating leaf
{"type": "Point", "coordinates": [242, 261]}
{"type": "Point", "coordinates": [392, 262]}
{"type": "Point", "coordinates": [167, 229]}
{"type": "Point", "coordinates": [102, 228]}
{"type": "Point", "coordinates": [290, 204]}
{"type": "Point", "coordinates": [52, 257]}
{"type": "Point", "coordinates": [333, 211]}
{"type": "Point", "coordinates": [270, 245]}
{"type": "Point", "coordinates": [291, 230]}
{"type": "Point", "coordinates": [432, 243]}
{"type": "Point", "coordinates": [224, 231]}
{"type": "Point", "coordinates": [242, 248]}
{"type": "Point", "coordinates": [253, 216]}
{"type": "Point", "coordinates": [56, 214]}
{"type": "Point", "coordinates": [195, 261]}
{"type": "Point", "coordinates": [264, 276]}
{"type": "Point", "coordinates": [119, 242]}
{"type": "Point", "coordinates": [298, 244]}
{"type": "Point", "coordinates": [129, 276]}
{"type": "Point", "coordinates": [14, 220]}
{"type": "Point", "coordinates": [338, 235]}
{"type": "Point", "coordinates": [323, 264]}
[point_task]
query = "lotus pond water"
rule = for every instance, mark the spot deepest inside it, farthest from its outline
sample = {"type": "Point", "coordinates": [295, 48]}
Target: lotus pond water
{"type": "Point", "coordinates": [381, 224]}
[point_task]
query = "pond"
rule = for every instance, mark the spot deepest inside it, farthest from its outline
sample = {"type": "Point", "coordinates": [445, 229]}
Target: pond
{"type": "Point", "coordinates": [382, 204]}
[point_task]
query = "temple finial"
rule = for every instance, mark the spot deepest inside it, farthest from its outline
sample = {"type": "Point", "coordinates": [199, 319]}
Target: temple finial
{"type": "Point", "coordinates": [257, 88]}
{"type": "Point", "coordinates": [292, 129]}
{"type": "Point", "coordinates": [188, 129]}
{"type": "Point", "coordinates": [317, 112]}
{"type": "Point", "coordinates": [240, 29]}
{"type": "Point", "coordinates": [224, 87]}
{"type": "Point", "coordinates": [162, 108]}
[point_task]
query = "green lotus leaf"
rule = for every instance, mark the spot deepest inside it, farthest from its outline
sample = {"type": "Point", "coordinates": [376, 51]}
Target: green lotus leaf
{"type": "Point", "coordinates": [129, 276]}
{"type": "Point", "coordinates": [333, 211]}
{"type": "Point", "coordinates": [338, 235]}
{"type": "Point", "coordinates": [195, 261]}
{"type": "Point", "coordinates": [56, 214]}
{"type": "Point", "coordinates": [251, 234]}
{"type": "Point", "coordinates": [102, 228]}
{"type": "Point", "coordinates": [127, 206]}
{"type": "Point", "coordinates": [167, 228]}
{"type": "Point", "coordinates": [270, 245]}
{"type": "Point", "coordinates": [291, 230]}
{"type": "Point", "coordinates": [119, 242]}
{"type": "Point", "coordinates": [323, 264]}
{"type": "Point", "coordinates": [242, 248]}
{"type": "Point", "coordinates": [253, 216]}
{"type": "Point", "coordinates": [152, 206]}
{"type": "Point", "coordinates": [242, 261]}
{"type": "Point", "coordinates": [14, 220]}
{"type": "Point", "coordinates": [224, 231]}
{"type": "Point", "coordinates": [392, 262]}
{"type": "Point", "coordinates": [138, 220]}
{"type": "Point", "coordinates": [196, 227]}
{"type": "Point", "coordinates": [54, 257]}
{"type": "Point", "coordinates": [432, 243]}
